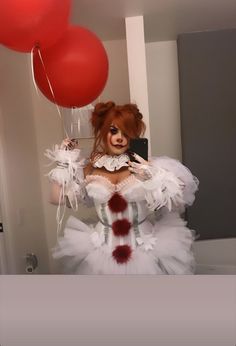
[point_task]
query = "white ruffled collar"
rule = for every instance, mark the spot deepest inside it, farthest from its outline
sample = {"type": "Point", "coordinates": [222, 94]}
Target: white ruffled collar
{"type": "Point", "coordinates": [112, 162]}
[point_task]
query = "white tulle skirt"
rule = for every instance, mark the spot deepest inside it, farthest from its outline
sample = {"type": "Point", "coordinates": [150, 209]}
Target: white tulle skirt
{"type": "Point", "coordinates": [171, 254]}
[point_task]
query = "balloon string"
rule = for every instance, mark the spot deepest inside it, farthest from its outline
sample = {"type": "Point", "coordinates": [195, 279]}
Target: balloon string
{"type": "Point", "coordinates": [32, 70]}
{"type": "Point", "coordinates": [49, 84]}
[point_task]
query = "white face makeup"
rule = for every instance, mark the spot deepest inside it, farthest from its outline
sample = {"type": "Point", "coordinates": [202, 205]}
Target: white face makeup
{"type": "Point", "coordinates": [117, 141]}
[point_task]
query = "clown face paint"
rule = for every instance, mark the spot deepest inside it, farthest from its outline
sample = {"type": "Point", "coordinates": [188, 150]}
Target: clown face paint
{"type": "Point", "coordinates": [117, 141]}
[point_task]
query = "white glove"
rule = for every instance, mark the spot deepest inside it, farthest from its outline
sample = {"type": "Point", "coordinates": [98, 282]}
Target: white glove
{"type": "Point", "coordinates": [69, 144]}
{"type": "Point", "coordinates": [141, 169]}
{"type": "Point", "coordinates": [67, 158]}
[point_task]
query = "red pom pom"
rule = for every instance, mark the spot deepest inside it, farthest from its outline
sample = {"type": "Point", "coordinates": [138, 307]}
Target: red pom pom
{"type": "Point", "coordinates": [122, 253]}
{"type": "Point", "coordinates": [117, 203]}
{"type": "Point", "coordinates": [121, 227]}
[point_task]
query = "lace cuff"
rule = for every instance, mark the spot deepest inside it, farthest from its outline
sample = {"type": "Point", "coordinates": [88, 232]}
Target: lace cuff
{"type": "Point", "coordinates": [191, 183]}
{"type": "Point", "coordinates": [163, 189]}
{"type": "Point", "coordinates": [68, 173]}
{"type": "Point", "coordinates": [172, 185]}
{"type": "Point", "coordinates": [69, 165]}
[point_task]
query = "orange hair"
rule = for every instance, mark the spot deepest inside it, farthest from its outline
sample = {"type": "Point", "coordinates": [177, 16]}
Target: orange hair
{"type": "Point", "coordinates": [127, 117]}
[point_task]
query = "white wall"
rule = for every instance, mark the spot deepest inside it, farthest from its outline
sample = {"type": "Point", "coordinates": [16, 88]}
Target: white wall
{"type": "Point", "coordinates": [163, 93]}
{"type": "Point", "coordinates": [137, 69]}
{"type": "Point", "coordinates": [24, 227]}
{"type": "Point", "coordinates": [117, 87]}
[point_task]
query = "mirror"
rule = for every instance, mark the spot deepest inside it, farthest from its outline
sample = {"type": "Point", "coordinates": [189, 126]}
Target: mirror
{"type": "Point", "coordinates": [29, 124]}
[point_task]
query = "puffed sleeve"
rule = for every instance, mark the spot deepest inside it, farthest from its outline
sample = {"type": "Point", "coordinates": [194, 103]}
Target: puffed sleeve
{"type": "Point", "coordinates": [172, 185]}
{"type": "Point", "coordinates": [69, 174]}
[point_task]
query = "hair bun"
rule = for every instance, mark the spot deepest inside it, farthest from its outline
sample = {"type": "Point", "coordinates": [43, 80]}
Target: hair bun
{"type": "Point", "coordinates": [139, 115]}
{"type": "Point", "coordinates": [133, 108]}
{"type": "Point", "coordinates": [102, 108]}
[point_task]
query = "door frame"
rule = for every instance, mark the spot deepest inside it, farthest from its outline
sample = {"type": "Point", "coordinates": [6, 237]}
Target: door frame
{"type": "Point", "coordinates": [7, 261]}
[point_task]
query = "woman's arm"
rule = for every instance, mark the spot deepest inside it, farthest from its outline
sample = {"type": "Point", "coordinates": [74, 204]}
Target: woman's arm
{"type": "Point", "coordinates": [167, 183]}
{"type": "Point", "coordinates": [67, 178]}
{"type": "Point", "coordinates": [56, 190]}
{"type": "Point", "coordinates": [55, 193]}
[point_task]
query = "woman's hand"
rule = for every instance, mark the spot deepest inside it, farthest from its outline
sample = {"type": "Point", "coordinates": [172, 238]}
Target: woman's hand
{"type": "Point", "coordinates": [141, 168]}
{"type": "Point", "coordinates": [69, 144]}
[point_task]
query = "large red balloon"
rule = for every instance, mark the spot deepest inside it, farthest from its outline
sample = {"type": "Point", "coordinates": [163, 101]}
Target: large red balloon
{"type": "Point", "coordinates": [26, 23]}
{"type": "Point", "coordinates": [76, 66]}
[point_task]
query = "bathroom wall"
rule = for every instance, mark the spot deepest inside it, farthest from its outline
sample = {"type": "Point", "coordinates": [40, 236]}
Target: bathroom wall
{"type": "Point", "coordinates": [163, 93]}
{"type": "Point", "coordinates": [24, 225]}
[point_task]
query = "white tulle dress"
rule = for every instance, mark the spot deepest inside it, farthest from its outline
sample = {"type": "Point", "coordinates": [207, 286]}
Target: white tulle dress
{"type": "Point", "coordinates": [139, 228]}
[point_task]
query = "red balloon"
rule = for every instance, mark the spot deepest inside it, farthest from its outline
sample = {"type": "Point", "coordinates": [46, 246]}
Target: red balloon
{"type": "Point", "coordinates": [76, 66]}
{"type": "Point", "coordinates": [26, 23]}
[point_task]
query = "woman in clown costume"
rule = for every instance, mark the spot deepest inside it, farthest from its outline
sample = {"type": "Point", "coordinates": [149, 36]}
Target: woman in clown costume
{"type": "Point", "coordinates": [138, 203]}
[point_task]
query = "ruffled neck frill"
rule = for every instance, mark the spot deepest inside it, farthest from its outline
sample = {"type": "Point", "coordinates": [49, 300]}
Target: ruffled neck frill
{"type": "Point", "coordinates": [112, 162]}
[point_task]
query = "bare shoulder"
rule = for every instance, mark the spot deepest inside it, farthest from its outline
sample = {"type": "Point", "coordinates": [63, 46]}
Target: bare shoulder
{"type": "Point", "coordinates": [87, 169]}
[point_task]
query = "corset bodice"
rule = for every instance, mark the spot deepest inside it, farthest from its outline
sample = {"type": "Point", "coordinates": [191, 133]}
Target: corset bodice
{"type": "Point", "coordinates": [117, 201]}
{"type": "Point", "coordinates": [121, 209]}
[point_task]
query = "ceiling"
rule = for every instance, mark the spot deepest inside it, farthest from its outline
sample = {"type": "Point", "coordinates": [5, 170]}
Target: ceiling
{"type": "Point", "coordinates": [163, 19]}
